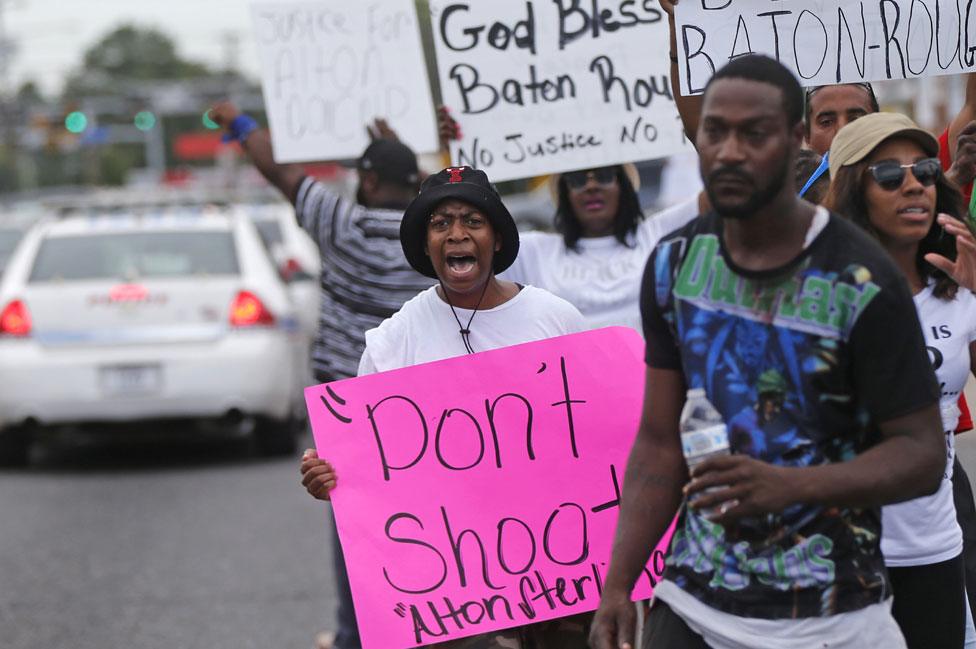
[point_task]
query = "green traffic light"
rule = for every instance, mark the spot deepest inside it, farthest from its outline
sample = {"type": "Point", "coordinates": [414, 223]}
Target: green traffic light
{"type": "Point", "coordinates": [209, 123]}
{"type": "Point", "coordinates": [76, 122]}
{"type": "Point", "coordinates": [145, 120]}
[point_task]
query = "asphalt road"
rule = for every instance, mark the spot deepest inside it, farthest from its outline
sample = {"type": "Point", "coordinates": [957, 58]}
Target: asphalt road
{"type": "Point", "coordinates": [106, 545]}
{"type": "Point", "coordinates": [161, 546]}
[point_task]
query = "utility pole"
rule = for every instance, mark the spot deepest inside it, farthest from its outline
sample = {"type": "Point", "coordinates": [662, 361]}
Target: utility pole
{"type": "Point", "coordinates": [232, 51]}
{"type": "Point", "coordinates": [232, 61]}
{"type": "Point", "coordinates": [7, 108]}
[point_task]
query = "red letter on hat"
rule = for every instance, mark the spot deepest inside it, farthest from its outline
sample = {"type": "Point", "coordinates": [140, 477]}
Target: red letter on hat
{"type": "Point", "coordinates": [455, 174]}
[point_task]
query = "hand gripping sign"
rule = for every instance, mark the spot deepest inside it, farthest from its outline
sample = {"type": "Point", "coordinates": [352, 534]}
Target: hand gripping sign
{"type": "Point", "coordinates": [481, 492]}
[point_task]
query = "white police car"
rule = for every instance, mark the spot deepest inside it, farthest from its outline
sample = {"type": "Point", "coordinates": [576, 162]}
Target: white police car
{"type": "Point", "coordinates": [297, 257]}
{"type": "Point", "coordinates": [137, 316]}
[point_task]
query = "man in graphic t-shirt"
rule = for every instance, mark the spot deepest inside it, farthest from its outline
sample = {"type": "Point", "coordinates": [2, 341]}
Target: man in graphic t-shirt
{"type": "Point", "coordinates": [802, 332]}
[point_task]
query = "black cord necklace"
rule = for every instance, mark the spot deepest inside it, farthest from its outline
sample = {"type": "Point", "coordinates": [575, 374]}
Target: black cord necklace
{"type": "Point", "coordinates": [465, 330]}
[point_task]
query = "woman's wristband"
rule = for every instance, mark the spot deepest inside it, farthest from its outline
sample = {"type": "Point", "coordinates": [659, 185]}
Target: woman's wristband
{"type": "Point", "coordinates": [240, 128]}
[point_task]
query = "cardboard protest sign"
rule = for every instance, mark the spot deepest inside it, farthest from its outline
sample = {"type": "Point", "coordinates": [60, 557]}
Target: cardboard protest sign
{"type": "Point", "coordinates": [828, 41]}
{"type": "Point", "coordinates": [481, 492]}
{"type": "Point", "coordinates": [541, 86]}
{"type": "Point", "coordinates": [329, 68]}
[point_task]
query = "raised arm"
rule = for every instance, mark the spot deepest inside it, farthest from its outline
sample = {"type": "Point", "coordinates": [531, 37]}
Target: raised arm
{"type": "Point", "coordinates": [962, 138]}
{"type": "Point", "coordinates": [966, 114]}
{"type": "Point", "coordinates": [689, 108]}
{"type": "Point", "coordinates": [257, 144]}
{"type": "Point", "coordinates": [651, 495]}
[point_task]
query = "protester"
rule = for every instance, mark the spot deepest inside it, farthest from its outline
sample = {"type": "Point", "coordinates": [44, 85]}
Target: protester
{"type": "Point", "coordinates": [776, 545]}
{"type": "Point", "coordinates": [595, 258]}
{"type": "Point", "coordinates": [365, 278]}
{"type": "Point", "coordinates": [459, 232]}
{"type": "Point", "coordinates": [957, 153]}
{"type": "Point", "coordinates": [886, 178]}
{"type": "Point", "coordinates": [826, 110]}
{"type": "Point", "coordinates": [957, 143]}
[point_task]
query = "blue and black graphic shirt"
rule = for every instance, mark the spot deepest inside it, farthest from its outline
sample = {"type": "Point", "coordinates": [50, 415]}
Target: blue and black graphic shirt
{"type": "Point", "coordinates": [802, 362]}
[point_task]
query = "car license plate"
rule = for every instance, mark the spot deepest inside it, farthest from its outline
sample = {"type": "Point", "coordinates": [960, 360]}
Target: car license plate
{"type": "Point", "coordinates": [131, 380]}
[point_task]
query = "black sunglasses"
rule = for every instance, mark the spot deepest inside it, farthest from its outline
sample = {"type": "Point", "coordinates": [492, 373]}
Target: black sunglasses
{"type": "Point", "coordinates": [602, 176]}
{"type": "Point", "coordinates": [890, 175]}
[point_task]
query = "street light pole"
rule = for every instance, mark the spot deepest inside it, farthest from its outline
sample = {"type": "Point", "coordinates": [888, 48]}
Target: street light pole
{"type": "Point", "coordinates": [10, 143]}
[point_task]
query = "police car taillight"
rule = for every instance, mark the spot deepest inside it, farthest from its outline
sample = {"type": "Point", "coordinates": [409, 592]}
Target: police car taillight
{"type": "Point", "coordinates": [247, 310]}
{"type": "Point", "coordinates": [15, 319]}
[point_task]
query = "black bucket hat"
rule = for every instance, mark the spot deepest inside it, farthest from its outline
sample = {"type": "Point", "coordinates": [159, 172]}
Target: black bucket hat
{"type": "Point", "coordinates": [464, 184]}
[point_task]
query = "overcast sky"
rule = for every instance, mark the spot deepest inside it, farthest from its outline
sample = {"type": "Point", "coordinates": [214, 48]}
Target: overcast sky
{"type": "Point", "coordinates": [51, 35]}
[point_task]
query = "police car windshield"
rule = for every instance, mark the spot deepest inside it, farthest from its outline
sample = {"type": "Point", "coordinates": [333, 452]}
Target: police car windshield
{"type": "Point", "coordinates": [131, 256]}
{"type": "Point", "coordinates": [270, 232]}
{"type": "Point", "coordinates": [8, 242]}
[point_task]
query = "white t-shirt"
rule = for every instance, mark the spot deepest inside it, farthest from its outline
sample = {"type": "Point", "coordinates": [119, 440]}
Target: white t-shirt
{"type": "Point", "coordinates": [425, 330]}
{"type": "Point", "coordinates": [680, 178]}
{"type": "Point", "coordinates": [602, 279]}
{"type": "Point", "coordinates": [924, 531]}
{"type": "Point", "coordinates": [871, 626]}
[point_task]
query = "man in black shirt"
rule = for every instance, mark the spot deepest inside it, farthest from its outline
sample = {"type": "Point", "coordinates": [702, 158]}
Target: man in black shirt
{"type": "Point", "coordinates": [769, 289]}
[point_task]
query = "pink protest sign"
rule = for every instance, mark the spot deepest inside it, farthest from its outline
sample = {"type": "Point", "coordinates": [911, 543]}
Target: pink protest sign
{"type": "Point", "coordinates": [481, 492]}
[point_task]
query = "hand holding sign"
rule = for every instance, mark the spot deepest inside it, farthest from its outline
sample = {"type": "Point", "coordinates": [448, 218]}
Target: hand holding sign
{"type": "Point", "coordinates": [448, 129]}
{"type": "Point", "coordinates": [223, 113]}
{"type": "Point", "coordinates": [318, 476]}
{"type": "Point", "coordinates": [963, 168]}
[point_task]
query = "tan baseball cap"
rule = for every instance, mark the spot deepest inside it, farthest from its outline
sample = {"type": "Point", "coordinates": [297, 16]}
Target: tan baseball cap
{"type": "Point", "coordinates": [858, 139]}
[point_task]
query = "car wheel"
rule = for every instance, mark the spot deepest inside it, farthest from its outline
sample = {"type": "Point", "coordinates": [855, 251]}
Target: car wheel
{"type": "Point", "coordinates": [275, 438]}
{"type": "Point", "coordinates": [15, 445]}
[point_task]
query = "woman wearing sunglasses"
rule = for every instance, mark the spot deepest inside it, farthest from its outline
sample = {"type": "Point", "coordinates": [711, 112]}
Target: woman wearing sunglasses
{"type": "Point", "coordinates": [595, 259]}
{"type": "Point", "coordinates": [886, 178]}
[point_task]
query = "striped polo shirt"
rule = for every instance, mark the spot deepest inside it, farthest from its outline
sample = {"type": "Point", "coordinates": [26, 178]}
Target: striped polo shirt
{"type": "Point", "coordinates": [365, 277]}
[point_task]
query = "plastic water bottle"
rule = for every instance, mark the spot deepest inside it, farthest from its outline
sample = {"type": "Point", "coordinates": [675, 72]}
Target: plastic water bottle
{"type": "Point", "coordinates": [703, 434]}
